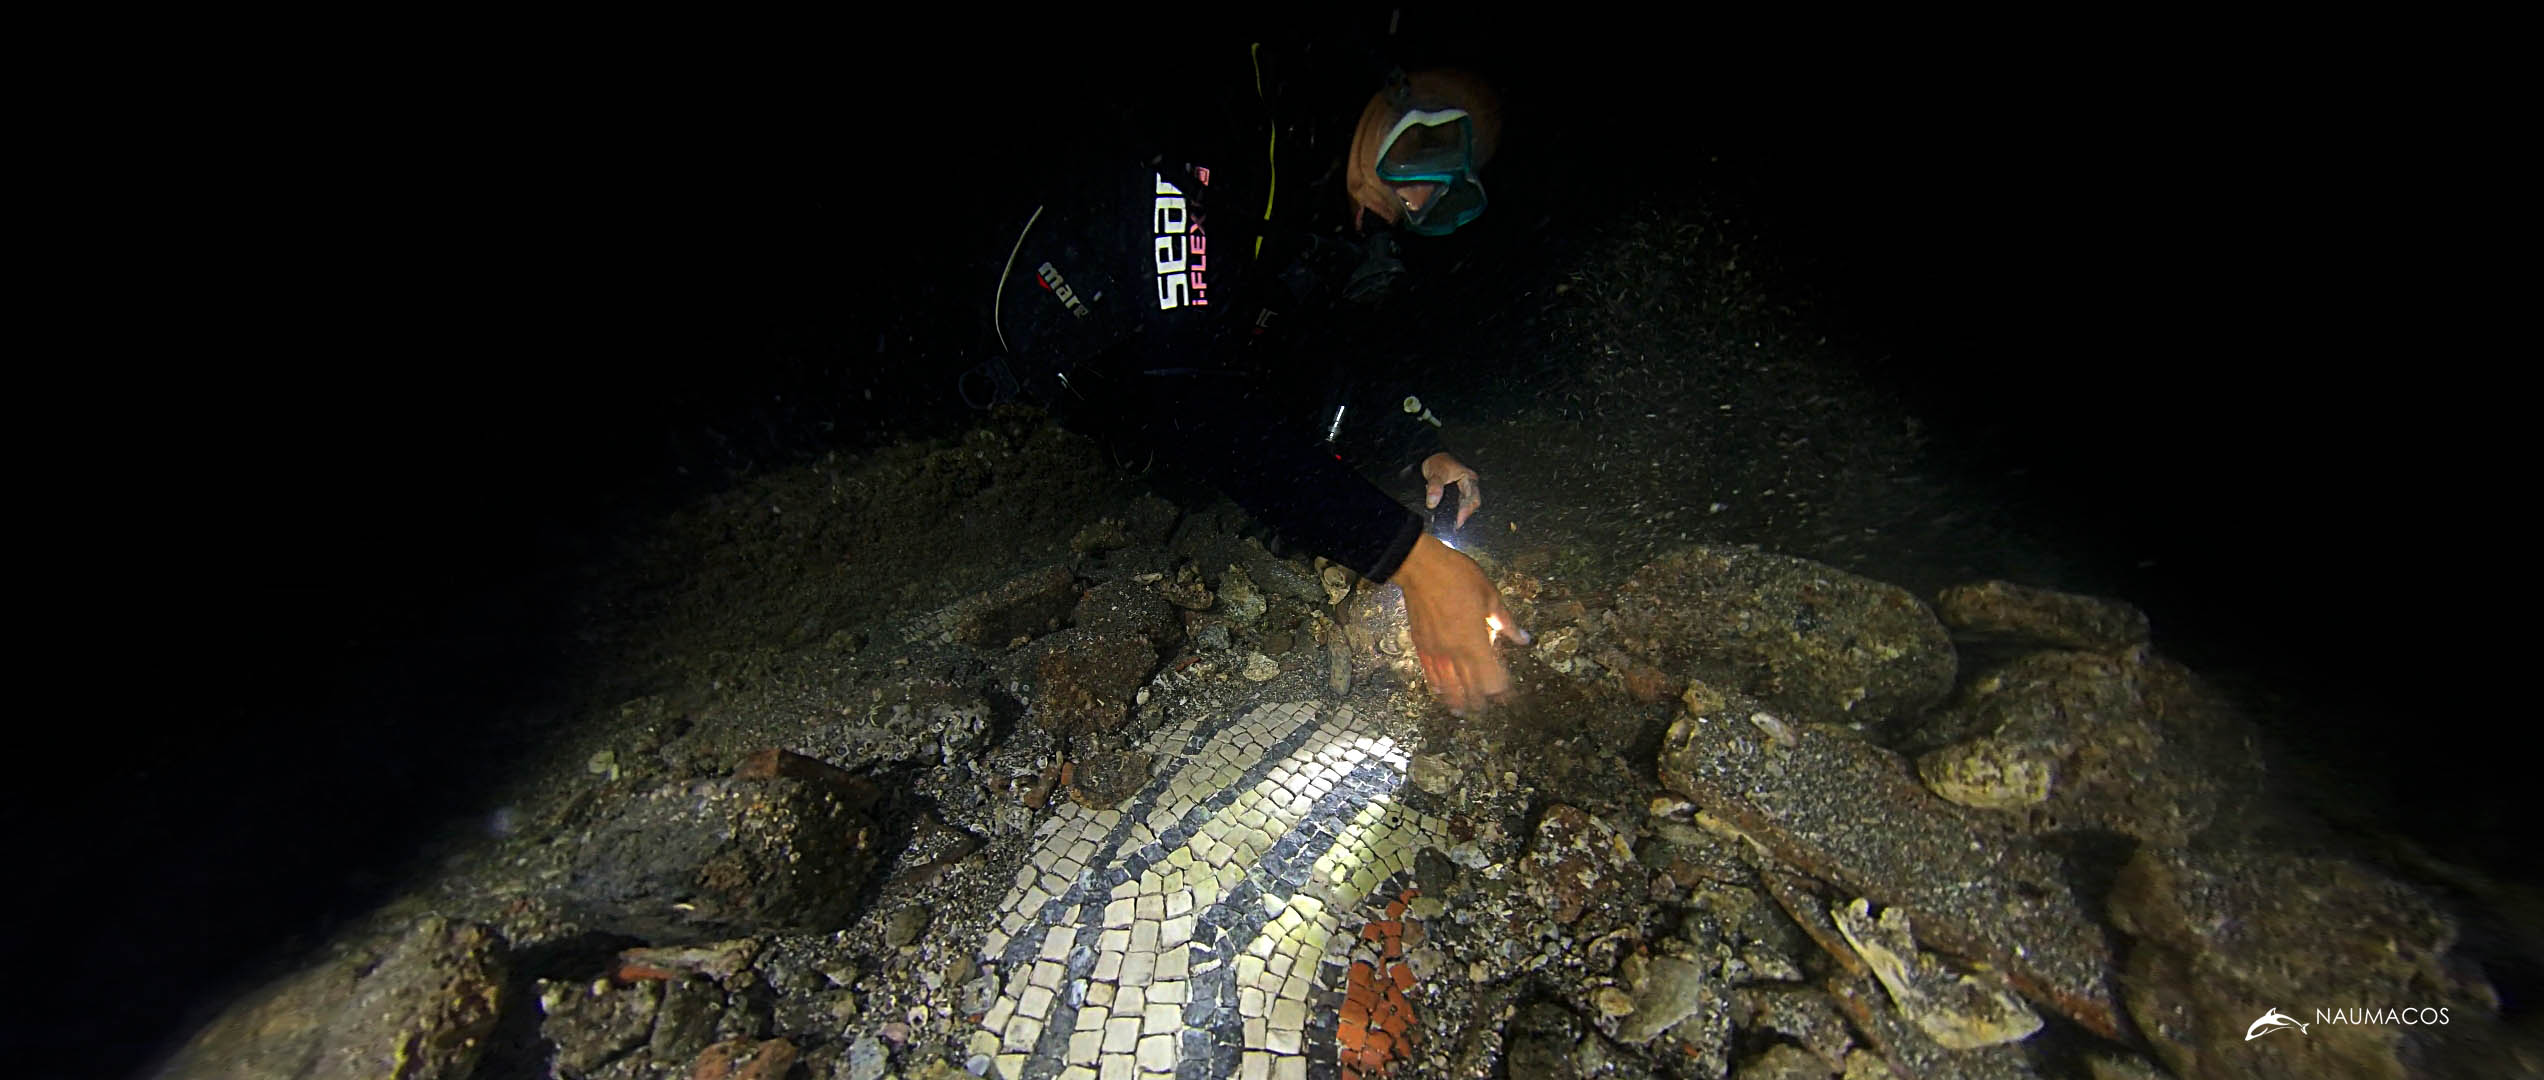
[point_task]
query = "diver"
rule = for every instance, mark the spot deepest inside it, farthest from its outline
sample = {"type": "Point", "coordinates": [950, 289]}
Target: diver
{"type": "Point", "coordinates": [1211, 299]}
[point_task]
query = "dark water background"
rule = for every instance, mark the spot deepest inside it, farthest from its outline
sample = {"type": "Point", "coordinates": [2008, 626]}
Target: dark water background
{"type": "Point", "coordinates": [2206, 312]}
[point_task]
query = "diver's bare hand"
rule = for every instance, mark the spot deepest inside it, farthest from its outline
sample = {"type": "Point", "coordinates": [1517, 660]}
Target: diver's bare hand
{"type": "Point", "coordinates": [1438, 472]}
{"type": "Point", "coordinates": [1447, 602]}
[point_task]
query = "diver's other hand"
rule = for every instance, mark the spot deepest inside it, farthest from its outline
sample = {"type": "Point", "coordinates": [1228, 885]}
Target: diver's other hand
{"type": "Point", "coordinates": [1438, 472]}
{"type": "Point", "coordinates": [1447, 600]}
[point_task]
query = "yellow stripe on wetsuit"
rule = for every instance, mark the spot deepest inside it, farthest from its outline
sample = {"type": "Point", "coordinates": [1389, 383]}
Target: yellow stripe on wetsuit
{"type": "Point", "coordinates": [1271, 145]}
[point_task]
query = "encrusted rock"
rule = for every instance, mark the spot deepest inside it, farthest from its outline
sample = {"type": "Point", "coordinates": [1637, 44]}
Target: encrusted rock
{"type": "Point", "coordinates": [1338, 656]}
{"type": "Point", "coordinates": [1791, 893]}
{"type": "Point", "coordinates": [1433, 773]}
{"type": "Point", "coordinates": [744, 1059]}
{"type": "Point", "coordinates": [2223, 936]}
{"type": "Point", "coordinates": [1905, 1050]}
{"type": "Point", "coordinates": [693, 1016]}
{"type": "Point", "coordinates": [1802, 1014]}
{"type": "Point", "coordinates": [1693, 860]}
{"type": "Point", "coordinates": [1544, 1039]}
{"type": "Point", "coordinates": [1151, 520]}
{"type": "Point", "coordinates": [1558, 646]}
{"type": "Point", "coordinates": [867, 1059]}
{"type": "Point", "coordinates": [596, 1022]}
{"type": "Point", "coordinates": [2127, 742]}
{"type": "Point", "coordinates": [1087, 681]}
{"type": "Point", "coordinates": [1261, 668]}
{"type": "Point", "coordinates": [1337, 582]}
{"type": "Point", "coordinates": [1769, 964]}
{"type": "Point", "coordinates": [923, 720]}
{"type": "Point", "coordinates": [1373, 621]}
{"type": "Point", "coordinates": [1186, 590]}
{"type": "Point", "coordinates": [1990, 774]}
{"type": "Point", "coordinates": [1238, 599]}
{"type": "Point", "coordinates": [719, 961]}
{"type": "Point", "coordinates": [905, 925]}
{"type": "Point", "coordinates": [1643, 682]}
{"type": "Point", "coordinates": [1958, 1011]}
{"type": "Point", "coordinates": [1671, 990]}
{"type": "Point", "coordinates": [771, 849]}
{"type": "Point", "coordinates": [2001, 611]}
{"type": "Point", "coordinates": [1104, 778]}
{"type": "Point", "coordinates": [1580, 866]}
{"type": "Point", "coordinates": [1865, 1063]}
{"type": "Point", "coordinates": [1280, 577]}
{"type": "Point", "coordinates": [1810, 640]}
{"type": "Point", "coordinates": [418, 1004]}
{"type": "Point", "coordinates": [1126, 607]}
{"type": "Point", "coordinates": [1103, 534]}
{"type": "Point", "coordinates": [1782, 1061]}
{"type": "Point", "coordinates": [1846, 811]}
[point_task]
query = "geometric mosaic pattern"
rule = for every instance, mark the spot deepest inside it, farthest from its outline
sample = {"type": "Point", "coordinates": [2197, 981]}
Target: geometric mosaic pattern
{"type": "Point", "coordinates": [1206, 929]}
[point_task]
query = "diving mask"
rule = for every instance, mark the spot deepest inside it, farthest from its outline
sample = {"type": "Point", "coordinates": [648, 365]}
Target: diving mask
{"type": "Point", "coordinates": [1428, 162]}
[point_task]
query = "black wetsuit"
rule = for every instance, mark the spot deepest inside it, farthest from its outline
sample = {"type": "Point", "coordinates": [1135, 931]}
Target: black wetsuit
{"type": "Point", "coordinates": [1217, 308]}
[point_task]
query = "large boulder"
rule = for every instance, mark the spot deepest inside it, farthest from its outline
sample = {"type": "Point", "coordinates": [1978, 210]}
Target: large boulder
{"type": "Point", "coordinates": [2070, 741]}
{"type": "Point", "coordinates": [1822, 799]}
{"type": "Point", "coordinates": [1813, 641]}
{"type": "Point", "coordinates": [420, 1004]}
{"type": "Point", "coordinates": [2225, 937]}
{"type": "Point", "coordinates": [786, 844]}
{"type": "Point", "coordinates": [2001, 612]}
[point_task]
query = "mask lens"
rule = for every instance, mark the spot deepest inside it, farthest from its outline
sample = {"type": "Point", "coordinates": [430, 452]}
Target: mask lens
{"type": "Point", "coordinates": [1425, 144]}
{"type": "Point", "coordinates": [1428, 159]}
{"type": "Point", "coordinates": [1422, 149]}
{"type": "Point", "coordinates": [1444, 207]}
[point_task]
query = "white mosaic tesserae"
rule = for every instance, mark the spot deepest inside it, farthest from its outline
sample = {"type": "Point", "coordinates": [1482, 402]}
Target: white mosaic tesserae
{"type": "Point", "coordinates": [1198, 930]}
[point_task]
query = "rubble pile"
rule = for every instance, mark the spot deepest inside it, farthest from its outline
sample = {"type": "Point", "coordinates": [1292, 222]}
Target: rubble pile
{"type": "Point", "coordinates": [1171, 805]}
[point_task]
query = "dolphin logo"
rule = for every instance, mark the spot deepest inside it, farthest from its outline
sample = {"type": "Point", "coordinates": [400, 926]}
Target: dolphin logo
{"type": "Point", "coordinates": [2272, 1021]}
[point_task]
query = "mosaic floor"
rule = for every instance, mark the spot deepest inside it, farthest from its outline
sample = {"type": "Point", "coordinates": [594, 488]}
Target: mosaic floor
{"type": "Point", "coordinates": [1237, 919]}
